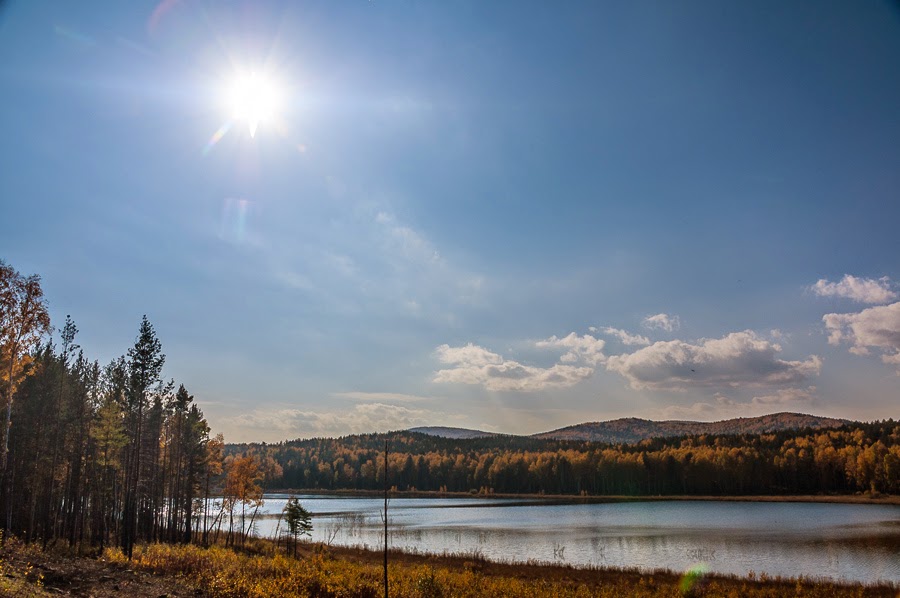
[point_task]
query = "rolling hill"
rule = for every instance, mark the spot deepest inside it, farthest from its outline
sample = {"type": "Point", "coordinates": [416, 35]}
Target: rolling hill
{"type": "Point", "coordinates": [631, 429]}
{"type": "Point", "coordinates": [445, 432]}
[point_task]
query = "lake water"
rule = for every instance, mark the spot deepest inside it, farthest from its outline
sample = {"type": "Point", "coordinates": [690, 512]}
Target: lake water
{"type": "Point", "coordinates": [839, 541]}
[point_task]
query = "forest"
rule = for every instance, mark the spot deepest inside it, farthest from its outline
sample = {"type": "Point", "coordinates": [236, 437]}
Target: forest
{"type": "Point", "coordinates": [859, 457]}
{"type": "Point", "coordinates": [104, 455]}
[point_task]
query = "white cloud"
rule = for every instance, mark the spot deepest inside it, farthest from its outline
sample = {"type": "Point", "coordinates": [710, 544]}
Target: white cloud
{"type": "Point", "coordinates": [470, 355]}
{"type": "Point", "coordinates": [738, 359]}
{"type": "Point", "coordinates": [863, 290]}
{"type": "Point", "coordinates": [624, 336]}
{"type": "Point", "coordinates": [361, 419]}
{"type": "Point", "coordinates": [722, 407]}
{"type": "Point", "coordinates": [662, 322]}
{"type": "Point", "coordinates": [381, 396]}
{"type": "Point", "coordinates": [578, 348]}
{"type": "Point", "coordinates": [873, 328]}
{"type": "Point", "coordinates": [476, 365]}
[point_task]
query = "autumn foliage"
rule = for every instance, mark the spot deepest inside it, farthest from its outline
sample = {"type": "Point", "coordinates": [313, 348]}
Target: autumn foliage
{"type": "Point", "coordinates": [860, 457]}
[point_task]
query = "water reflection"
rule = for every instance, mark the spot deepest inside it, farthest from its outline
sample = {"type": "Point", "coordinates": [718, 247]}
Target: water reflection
{"type": "Point", "coordinates": [852, 542]}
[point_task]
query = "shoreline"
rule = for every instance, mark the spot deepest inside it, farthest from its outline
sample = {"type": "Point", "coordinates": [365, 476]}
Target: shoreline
{"type": "Point", "coordinates": [263, 566]}
{"type": "Point", "coordinates": [574, 498]}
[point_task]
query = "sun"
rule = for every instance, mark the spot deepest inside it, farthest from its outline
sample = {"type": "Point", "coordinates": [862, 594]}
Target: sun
{"type": "Point", "coordinates": [253, 98]}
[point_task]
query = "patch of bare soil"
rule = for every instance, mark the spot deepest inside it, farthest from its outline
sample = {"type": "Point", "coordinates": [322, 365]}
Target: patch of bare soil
{"type": "Point", "coordinates": [33, 573]}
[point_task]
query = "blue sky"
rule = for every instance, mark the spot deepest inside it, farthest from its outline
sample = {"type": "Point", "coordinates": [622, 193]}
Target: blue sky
{"type": "Point", "coordinates": [507, 215]}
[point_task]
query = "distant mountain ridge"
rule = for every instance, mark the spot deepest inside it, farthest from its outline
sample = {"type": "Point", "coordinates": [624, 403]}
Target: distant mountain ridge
{"type": "Point", "coordinates": [629, 430]}
{"type": "Point", "coordinates": [448, 432]}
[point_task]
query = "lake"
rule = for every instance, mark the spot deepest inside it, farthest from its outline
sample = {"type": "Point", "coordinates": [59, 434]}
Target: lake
{"type": "Point", "coordinates": [838, 541]}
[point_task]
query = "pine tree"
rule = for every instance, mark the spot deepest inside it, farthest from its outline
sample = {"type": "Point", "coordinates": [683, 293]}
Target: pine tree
{"type": "Point", "coordinates": [145, 362]}
{"type": "Point", "coordinates": [298, 520]}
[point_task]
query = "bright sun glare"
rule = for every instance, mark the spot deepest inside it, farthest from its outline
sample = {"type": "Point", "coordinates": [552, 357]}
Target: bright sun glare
{"type": "Point", "coordinates": [253, 98]}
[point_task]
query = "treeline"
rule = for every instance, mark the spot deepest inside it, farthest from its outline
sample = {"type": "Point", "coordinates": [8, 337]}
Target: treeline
{"type": "Point", "coordinates": [98, 455]}
{"type": "Point", "coordinates": [857, 457]}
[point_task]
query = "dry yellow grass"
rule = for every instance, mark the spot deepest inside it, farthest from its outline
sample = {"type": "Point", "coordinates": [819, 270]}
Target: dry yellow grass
{"type": "Point", "coordinates": [265, 571]}
{"type": "Point", "coordinates": [225, 573]}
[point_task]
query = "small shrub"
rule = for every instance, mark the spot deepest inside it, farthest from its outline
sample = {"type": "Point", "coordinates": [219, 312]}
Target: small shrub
{"type": "Point", "coordinates": [427, 585]}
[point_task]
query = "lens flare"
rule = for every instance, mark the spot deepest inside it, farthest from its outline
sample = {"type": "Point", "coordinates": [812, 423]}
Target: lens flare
{"type": "Point", "coordinates": [693, 576]}
{"type": "Point", "coordinates": [217, 137]}
{"type": "Point", "coordinates": [72, 35]}
{"type": "Point", "coordinates": [234, 219]}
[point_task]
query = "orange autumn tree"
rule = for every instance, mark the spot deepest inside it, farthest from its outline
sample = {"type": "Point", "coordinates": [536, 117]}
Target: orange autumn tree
{"type": "Point", "coordinates": [242, 486]}
{"type": "Point", "coordinates": [23, 322]}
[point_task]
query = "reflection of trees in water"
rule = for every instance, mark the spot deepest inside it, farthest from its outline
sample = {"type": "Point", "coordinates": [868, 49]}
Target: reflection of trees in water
{"type": "Point", "coordinates": [559, 551]}
{"type": "Point", "coordinates": [407, 534]}
{"type": "Point", "coordinates": [346, 525]}
{"type": "Point", "coordinates": [599, 548]}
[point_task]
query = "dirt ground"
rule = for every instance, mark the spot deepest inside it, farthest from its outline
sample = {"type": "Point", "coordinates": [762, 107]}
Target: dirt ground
{"type": "Point", "coordinates": [85, 577]}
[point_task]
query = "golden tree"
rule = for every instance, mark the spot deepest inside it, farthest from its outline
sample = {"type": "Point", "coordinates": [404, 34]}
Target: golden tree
{"type": "Point", "coordinates": [23, 321]}
{"type": "Point", "coordinates": [242, 486]}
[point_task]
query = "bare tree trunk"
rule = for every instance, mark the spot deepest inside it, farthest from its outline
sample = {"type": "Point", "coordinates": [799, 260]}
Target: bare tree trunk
{"type": "Point", "coordinates": [252, 518]}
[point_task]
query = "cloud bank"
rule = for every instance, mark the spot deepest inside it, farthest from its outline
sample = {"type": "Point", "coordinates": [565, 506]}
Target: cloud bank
{"type": "Point", "coordinates": [738, 359]}
{"type": "Point", "coordinates": [381, 396]}
{"type": "Point", "coordinates": [723, 407]}
{"type": "Point", "coordinates": [361, 419]}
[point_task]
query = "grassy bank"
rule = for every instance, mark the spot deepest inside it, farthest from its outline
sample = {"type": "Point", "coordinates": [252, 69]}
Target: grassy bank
{"type": "Point", "coordinates": [264, 572]}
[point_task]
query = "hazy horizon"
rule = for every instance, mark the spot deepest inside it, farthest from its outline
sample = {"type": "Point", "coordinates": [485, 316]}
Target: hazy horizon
{"type": "Point", "coordinates": [509, 217]}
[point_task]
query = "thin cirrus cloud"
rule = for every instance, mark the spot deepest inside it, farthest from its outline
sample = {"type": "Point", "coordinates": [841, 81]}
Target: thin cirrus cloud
{"type": "Point", "coordinates": [662, 322]}
{"type": "Point", "coordinates": [737, 359]}
{"type": "Point", "coordinates": [411, 245]}
{"type": "Point", "coordinates": [874, 329]}
{"type": "Point", "coordinates": [377, 264]}
{"type": "Point", "coordinates": [862, 290]}
{"type": "Point", "coordinates": [361, 419]}
{"type": "Point", "coordinates": [419, 269]}
{"type": "Point", "coordinates": [476, 365]}
{"type": "Point", "coordinates": [381, 396]}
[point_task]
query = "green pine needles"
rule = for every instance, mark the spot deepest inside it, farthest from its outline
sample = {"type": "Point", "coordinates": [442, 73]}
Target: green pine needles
{"type": "Point", "coordinates": [298, 520]}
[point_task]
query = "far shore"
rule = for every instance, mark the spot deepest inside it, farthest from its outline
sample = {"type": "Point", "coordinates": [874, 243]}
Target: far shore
{"type": "Point", "coordinates": [860, 499]}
